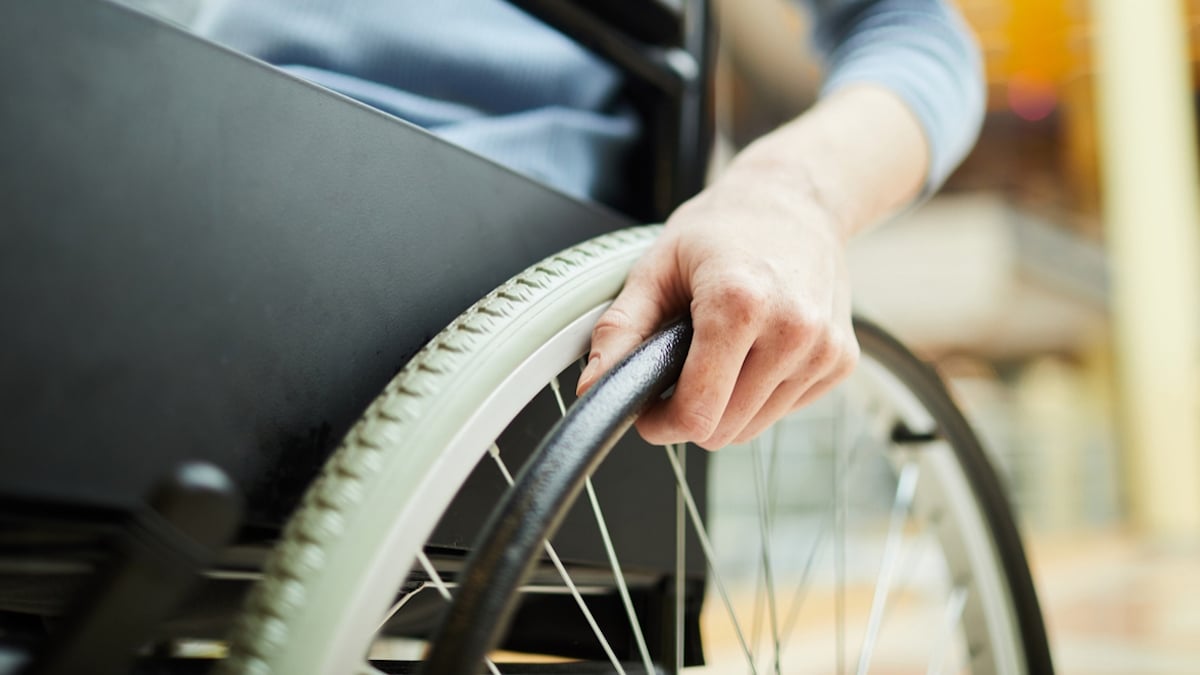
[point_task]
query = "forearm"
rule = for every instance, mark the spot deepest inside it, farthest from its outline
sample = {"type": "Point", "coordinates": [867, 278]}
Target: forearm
{"type": "Point", "coordinates": [860, 153]}
{"type": "Point", "coordinates": [758, 258]}
{"type": "Point", "coordinates": [923, 52]}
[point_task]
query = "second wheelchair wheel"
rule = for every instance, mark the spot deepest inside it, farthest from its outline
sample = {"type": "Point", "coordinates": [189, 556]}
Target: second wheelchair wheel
{"type": "Point", "coordinates": [882, 476]}
{"type": "Point", "coordinates": [866, 533]}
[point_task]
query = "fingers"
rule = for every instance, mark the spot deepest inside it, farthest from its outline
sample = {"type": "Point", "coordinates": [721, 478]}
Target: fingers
{"type": "Point", "coordinates": [828, 359]}
{"type": "Point", "coordinates": [719, 349]}
{"type": "Point", "coordinates": [740, 397]}
{"type": "Point", "coordinates": [794, 394]}
{"type": "Point", "coordinates": [768, 303]}
{"type": "Point", "coordinates": [638, 311]}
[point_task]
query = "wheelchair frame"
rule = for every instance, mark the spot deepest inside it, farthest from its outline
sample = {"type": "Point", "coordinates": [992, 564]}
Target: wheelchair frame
{"type": "Point", "coordinates": [205, 259]}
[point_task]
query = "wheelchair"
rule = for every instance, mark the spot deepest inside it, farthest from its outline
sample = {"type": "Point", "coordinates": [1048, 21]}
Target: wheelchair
{"type": "Point", "coordinates": [210, 269]}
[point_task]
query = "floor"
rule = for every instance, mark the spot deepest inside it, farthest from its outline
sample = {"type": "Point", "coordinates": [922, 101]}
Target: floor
{"type": "Point", "coordinates": [1113, 605]}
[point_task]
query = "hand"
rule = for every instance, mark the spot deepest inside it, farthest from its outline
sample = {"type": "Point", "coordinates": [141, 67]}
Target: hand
{"type": "Point", "coordinates": [761, 271]}
{"type": "Point", "coordinates": [758, 261]}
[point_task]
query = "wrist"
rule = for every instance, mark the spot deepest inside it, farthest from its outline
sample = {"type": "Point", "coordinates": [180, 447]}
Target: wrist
{"type": "Point", "coordinates": [859, 153]}
{"type": "Point", "coordinates": [795, 190]}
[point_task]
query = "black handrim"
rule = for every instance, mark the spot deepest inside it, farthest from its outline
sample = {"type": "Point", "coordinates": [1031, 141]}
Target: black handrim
{"type": "Point", "coordinates": [531, 511]}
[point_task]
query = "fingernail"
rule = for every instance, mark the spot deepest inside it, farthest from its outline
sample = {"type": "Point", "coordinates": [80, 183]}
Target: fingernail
{"type": "Point", "coordinates": [589, 372]}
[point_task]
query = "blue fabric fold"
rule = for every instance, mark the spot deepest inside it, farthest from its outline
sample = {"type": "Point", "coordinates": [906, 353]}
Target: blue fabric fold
{"type": "Point", "coordinates": [492, 79]}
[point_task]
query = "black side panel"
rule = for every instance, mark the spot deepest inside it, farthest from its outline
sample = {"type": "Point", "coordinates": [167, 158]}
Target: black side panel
{"type": "Point", "coordinates": [203, 258]}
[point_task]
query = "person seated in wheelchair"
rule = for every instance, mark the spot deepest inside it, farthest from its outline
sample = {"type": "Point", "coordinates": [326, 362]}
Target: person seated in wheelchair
{"type": "Point", "coordinates": [757, 257]}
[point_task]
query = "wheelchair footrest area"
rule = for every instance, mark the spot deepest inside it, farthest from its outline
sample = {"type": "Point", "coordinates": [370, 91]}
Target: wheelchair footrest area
{"type": "Point", "coordinates": [160, 552]}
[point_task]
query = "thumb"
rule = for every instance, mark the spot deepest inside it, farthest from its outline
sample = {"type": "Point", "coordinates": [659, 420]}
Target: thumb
{"type": "Point", "coordinates": [638, 310]}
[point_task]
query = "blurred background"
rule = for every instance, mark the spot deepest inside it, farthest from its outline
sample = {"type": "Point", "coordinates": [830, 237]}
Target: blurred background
{"type": "Point", "coordinates": [1054, 282]}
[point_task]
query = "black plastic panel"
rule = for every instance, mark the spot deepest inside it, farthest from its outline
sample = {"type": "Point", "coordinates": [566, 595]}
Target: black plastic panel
{"type": "Point", "coordinates": [204, 258]}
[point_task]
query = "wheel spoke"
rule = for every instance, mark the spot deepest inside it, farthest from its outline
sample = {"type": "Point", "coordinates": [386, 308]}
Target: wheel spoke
{"type": "Point", "coordinates": [760, 583]}
{"type": "Point", "coordinates": [680, 556]}
{"type": "Point", "coordinates": [826, 521]}
{"type": "Point", "coordinates": [772, 433]}
{"type": "Point", "coordinates": [401, 603]}
{"type": "Point", "coordinates": [773, 480]}
{"type": "Point", "coordinates": [907, 570]}
{"type": "Point", "coordinates": [839, 540]}
{"type": "Point", "coordinates": [433, 575]}
{"type": "Point", "coordinates": [494, 451]}
{"type": "Point", "coordinates": [445, 593]}
{"type": "Point", "coordinates": [706, 546]}
{"type": "Point", "coordinates": [756, 615]}
{"type": "Point", "coordinates": [797, 602]}
{"type": "Point", "coordinates": [610, 551]}
{"type": "Point", "coordinates": [558, 397]}
{"type": "Point", "coordinates": [622, 587]}
{"type": "Point", "coordinates": [954, 611]}
{"type": "Point", "coordinates": [764, 529]}
{"type": "Point", "coordinates": [905, 489]}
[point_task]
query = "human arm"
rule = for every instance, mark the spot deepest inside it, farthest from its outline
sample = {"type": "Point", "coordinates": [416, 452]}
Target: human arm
{"type": "Point", "coordinates": [758, 257]}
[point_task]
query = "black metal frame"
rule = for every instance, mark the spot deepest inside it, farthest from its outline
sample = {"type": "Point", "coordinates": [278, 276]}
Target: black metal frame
{"type": "Point", "coordinates": [667, 52]}
{"type": "Point", "coordinates": [161, 552]}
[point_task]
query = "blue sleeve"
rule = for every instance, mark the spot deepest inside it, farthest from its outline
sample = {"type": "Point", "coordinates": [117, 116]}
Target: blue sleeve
{"type": "Point", "coordinates": [920, 49]}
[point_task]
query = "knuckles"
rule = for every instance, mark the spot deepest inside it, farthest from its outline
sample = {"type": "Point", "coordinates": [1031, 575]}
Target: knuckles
{"type": "Point", "coordinates": [848, 360]}
{"type": "Point", "coordinates": [826, 355]}
{"type": "Point", "coordinates": [814, 342]}
{"type": "Point", "coordinates": [834, 355]}
{"type": "Point", "coordinates": [797, 327]}
{"type": "Point", "coordinates": [742, 300]}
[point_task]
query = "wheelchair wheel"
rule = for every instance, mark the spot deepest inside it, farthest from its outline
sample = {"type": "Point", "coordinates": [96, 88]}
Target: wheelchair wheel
{"type": "Point", "coordinates": [352, 557]}
{"type": "Point", "coordinates": [924, 567]}
{"type": "Point", "coordinates": [362, 523]}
